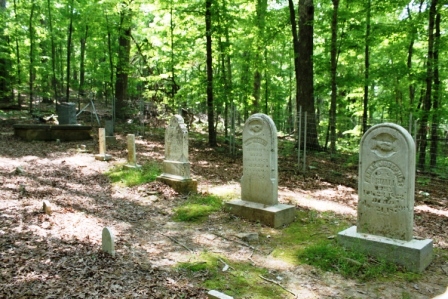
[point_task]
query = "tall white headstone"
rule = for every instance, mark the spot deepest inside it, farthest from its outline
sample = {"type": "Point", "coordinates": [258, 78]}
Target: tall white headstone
{"type": "Point", "coordinates": [259, 184]}
{"type": "Point", "coordinates": [176, 167]}
{"type": "Point", "coordinates": [386, 190]}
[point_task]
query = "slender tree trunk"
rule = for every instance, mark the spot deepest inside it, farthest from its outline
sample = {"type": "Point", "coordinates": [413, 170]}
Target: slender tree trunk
{"type": "Point", "coordinates": [210, 109]}
{"type": "Point", "coordinates": [436, 113]}
{"type": "Point", "coordinates": [111, 62]}
{"type": "Point", "coordinates": [333, 63]}
{"type": "Point", "coordinates": [426, 107]}
{"type": "Point", "coordinates": [5, 90]}
{"type": "Point", "coordinates": [54, 82]}
{"type": "Point", "coordinates": [306, 74]}
{"type": "Point", "coordinates": [121, 78]}
{"type": "Point", "coordinates": [19, 68]}
{"type": "Point", "coordinates": [69, 51]}
{"type": "Point", "coordinates": [31, 83]}
{"type": "Point", "coordinates": [82, 62]}
{"type": "Point", "coordinates": [295, 43]}
{"type": "Point", "coordinates": [366, 69]}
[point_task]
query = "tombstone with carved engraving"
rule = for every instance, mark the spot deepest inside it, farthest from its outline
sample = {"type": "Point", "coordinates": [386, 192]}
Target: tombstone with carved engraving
{"type": "Point", "coordinates": [259, 184]}
{"type": "Point", "coordinates": [386, 200]}
{"type": "Point", "coordinates": [176, 167]}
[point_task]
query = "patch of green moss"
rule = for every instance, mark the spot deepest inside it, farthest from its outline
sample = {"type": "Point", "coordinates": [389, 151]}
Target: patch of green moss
{"type": "Point", "coordinates": [197, 208]}
{"type": "Point", "coordinates": [129, 177]}
{"type": "Point", "coordinates": [240, 280]}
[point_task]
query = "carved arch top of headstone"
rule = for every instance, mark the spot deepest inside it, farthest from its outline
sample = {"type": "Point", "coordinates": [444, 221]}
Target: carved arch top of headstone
{"type": "Point", "coordinates": [386, 182]}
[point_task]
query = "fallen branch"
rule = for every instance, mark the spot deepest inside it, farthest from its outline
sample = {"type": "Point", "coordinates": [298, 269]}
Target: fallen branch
{"type": "Point", "coordinates": [238, 242]}
{"type": "Point", "coordinates": [177, 242]}
{"type": "Point", "coordinates": [274, 282]}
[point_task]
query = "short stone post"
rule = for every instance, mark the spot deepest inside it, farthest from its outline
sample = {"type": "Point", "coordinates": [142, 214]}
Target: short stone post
{"type": "Point", "coordinates": [259, 184]}
{"type": "Point", "coordinates": [176, 168]}
{"type": "Point", "coordinates": [108, 241]}
{"type": "Point", "coordinates": [132, 159]}
{"type": "Point", "coordinates": [386, 189]}
{"type": "Point", "coordinates": [102, 156]}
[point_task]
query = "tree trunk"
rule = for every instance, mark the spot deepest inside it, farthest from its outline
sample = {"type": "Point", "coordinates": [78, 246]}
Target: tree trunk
{"type": "Point", "coordinates": [82, 70]}
{"type": "Point", "coordinates": [426, 107]}
{"type": "Point", "coordinates": [435, 115]}
{"type": "Point", "coordinates": [366, 69]}
{"type": "Point", "coordinates": [54, 82]}
{"type": "Point", "coordinates": [69, 51]}
{"type": "Point", "coordinates": [295, 43]}
{"type": "Point", "coordinates": [19, 69]}
{"type": "Point", "coordinates": [209, 62]}
{"type": "Point", "coordinates": [333, 63]}
{"type": "Point", "coordinates": [306, 74]}
{"type": "Point", "coordinates": [31, 70]}
{"type": "Point", "coordinates": [5, 90]}
{"type": "Point", "coordinates": [121, 78]}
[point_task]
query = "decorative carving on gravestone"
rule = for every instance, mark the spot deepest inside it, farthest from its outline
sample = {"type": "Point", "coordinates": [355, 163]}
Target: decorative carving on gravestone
{"type": "Point", "coordinates": [386, 190]}
{"type": "Point", "coordinates": [132, 159]}
{"type": "Point", "coordinates": [176, 167]}
{"type": "Point", "coordinates": [108, 241]}
{"type": "Point", "coordinates": [102, 146]}
{"type": "Point", "coordinates": [259, 184]}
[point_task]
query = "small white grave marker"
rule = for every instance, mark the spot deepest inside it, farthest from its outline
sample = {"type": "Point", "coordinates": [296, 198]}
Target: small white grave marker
{"type": "Point", "coordinates": [108, 241]}
{"type": "Point", "coordinates": [46, 206]}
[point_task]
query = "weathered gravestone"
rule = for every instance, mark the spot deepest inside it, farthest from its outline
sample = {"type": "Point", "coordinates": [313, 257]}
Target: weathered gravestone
{"type": "Point", "coordinates": [46, 207]}
{"type": "Point", "coordinates": [259, 184]}
{"type": "Point", "coordinates": [109, 126]}
{"type": "Point", "coordinates": [102, 156]}
{"type": "Point", "coordinates": [176, 167]}
{"type": "Point", "coordinates": [108, 241]}
{"type": "Point", "coordinates": [132, 160]}
{"type": "Point", "coordinates": [386, 200]}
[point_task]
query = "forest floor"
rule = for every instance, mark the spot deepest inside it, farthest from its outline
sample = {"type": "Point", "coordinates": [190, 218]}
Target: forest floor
{"type": "Point", "coordinates": [59, 255]}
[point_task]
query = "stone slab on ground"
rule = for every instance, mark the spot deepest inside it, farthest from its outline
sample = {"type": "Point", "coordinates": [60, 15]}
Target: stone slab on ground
{"type": "Point", "coordinates": [43, 132]}
{"type": "Point", "coordinates": [274, 216]}
{"type": "Point", "coordinates": [180, 185]}
{"type": "Point", "coordinates": [218, 295]}
{"type": "Point", "coordinates": [414, 255]}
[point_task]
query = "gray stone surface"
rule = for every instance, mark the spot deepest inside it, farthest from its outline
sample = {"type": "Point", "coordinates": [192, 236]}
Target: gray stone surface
{"type": "Point", "coordinates": [109, 126]}
{"type": "Point", "coordinates": [43, 132]}
{"type": "Point", "coordinates": [218, 295]}
{"type": "Point", "coordinates": [108, 241]}
{"type": "Point", "coordinates": [414, 255]}
{"type": "Point", "coordinates": [386, 199]}
{"type": "Point", "coordinates": [66, 113]}
{"type": "Point", "coordinates": [386, 182]}
{"type": "Point", "coordinates": [259, 184]}
{"type": "Point", "coordinates": [176, 167]}
{"type": "Point", "coordinates": [132, 157]}
{"type": "Point", "coordinates": [102, 156]}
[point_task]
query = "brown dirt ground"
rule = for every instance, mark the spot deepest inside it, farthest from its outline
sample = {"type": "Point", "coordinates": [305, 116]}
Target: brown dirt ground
{"type": "Point", "coordinates": [59, 256]}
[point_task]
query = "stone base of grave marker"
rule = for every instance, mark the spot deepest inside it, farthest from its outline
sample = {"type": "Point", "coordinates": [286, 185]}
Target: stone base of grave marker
{"type": "Point", "coordinates": [179, 184]}
{"type": "Point", "coordinates": [177, 176]}
{"type": "Point", "coordinates": [103, 157]}
{"type": "Point", "coordinates": [414, 255]}
{"type": "Point", "coordinates": [274, 216]}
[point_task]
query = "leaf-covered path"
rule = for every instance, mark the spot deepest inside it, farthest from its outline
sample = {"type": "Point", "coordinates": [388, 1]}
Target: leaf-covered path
{"type": "Point", "coordinates": [59, 256]}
